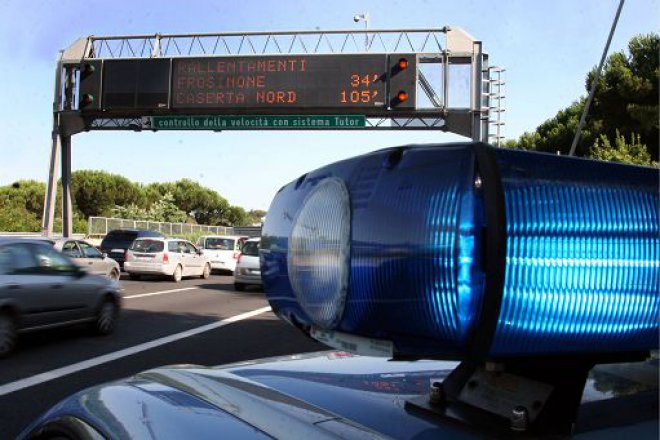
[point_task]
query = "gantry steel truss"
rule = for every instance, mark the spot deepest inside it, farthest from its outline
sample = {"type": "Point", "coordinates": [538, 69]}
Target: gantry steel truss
{"type": "Point", "coordinates": [439, 49]}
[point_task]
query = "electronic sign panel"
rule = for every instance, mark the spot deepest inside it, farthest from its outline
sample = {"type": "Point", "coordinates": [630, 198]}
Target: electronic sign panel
{"type": "Point", "coordinates": [136, 84]}
{"type": "Point", "coordinates": [281, 82]}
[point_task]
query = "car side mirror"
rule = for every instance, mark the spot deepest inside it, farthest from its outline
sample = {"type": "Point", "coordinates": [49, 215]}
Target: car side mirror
{"type": "Point", "coordinates": [200, 251]}
{"type": "Point", "coordinates": [104, 256]}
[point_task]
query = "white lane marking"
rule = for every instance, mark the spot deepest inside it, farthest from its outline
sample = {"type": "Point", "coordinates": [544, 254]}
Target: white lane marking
{"type": "Point", "coordinates": [99, 360]}
{"type": "Point", "coordinates": [142, 295]}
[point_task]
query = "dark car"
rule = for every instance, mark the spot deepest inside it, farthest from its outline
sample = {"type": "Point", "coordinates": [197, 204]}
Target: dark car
{"type": "Point", "coordinates": [325, 395]}
{"type": "Point", "coordinates": [41, 288]}
{"type": "Point", "coordinates": [117, 241]}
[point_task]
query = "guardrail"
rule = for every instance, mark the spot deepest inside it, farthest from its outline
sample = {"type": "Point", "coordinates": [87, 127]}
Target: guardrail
{"type": "Point", "coordinates": [99, 226]}
{"type": "Point", "coordinates": [37, 234]}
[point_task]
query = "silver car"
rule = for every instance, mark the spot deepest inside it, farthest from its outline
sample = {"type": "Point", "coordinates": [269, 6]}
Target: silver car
{"type": "Point", "coordinates": [40, 288]}
{"type": "Point", "coordinates": [88, 257]}
{"type": "Point", "coordinates": [247, 266]}
{"type": "Point", "coordinates": [172, 257]}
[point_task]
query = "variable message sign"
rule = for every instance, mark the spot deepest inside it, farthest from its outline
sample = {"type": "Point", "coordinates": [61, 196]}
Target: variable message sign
{"type": "Point", "coordinates": [281, 84]}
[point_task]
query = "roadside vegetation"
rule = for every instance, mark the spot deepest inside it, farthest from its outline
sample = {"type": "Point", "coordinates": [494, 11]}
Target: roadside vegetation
{"type": "Point", "coordinates": [622, 124]}
{"type": "Point", "coordinates": [102, 194]}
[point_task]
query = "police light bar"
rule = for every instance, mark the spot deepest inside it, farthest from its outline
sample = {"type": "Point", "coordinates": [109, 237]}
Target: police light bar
{"type": "Point", "coordinates": [467, 251]}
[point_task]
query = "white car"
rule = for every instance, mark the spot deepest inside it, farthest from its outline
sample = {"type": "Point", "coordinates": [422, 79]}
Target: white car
{"type": "Point", "coordinates": [172, 257]}
{"type": "Point", "coordinates": [248, 271]}
{"type": "Point", "coordinates": [222, 250]}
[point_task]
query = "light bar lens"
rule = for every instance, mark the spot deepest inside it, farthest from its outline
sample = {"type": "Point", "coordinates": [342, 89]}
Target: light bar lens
{"type": "Point", "coordinates": [583, 262]}
{"type": "Point", "coordinates": [394, 246]}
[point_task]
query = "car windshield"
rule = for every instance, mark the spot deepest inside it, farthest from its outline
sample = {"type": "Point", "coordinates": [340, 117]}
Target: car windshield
{"type": "Point", "coordinates": [251, 248]}
{"type": "Point", "coordinates": [222, 244]}
{"type": "Point", "coordinates": [147, 246]}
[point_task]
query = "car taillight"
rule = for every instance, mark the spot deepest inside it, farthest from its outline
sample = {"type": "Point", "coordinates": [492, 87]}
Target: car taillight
{"type": "Point", "coordinates": [238, 259]}
{"type": "Point", "coordinates": [166, 258]}
{"type": "Point", "coordinates": [126, 255]}
{"type": "Point", "coordinates": [237, 255]}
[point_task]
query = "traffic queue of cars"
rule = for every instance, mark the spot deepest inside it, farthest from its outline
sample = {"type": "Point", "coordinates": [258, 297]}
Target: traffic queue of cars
{"type": "Point", "coordinates": [48, 283]}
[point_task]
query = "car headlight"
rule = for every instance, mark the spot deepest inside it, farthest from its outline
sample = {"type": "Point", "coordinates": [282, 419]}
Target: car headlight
{"type": "Point", "coordinates": [319, 250]}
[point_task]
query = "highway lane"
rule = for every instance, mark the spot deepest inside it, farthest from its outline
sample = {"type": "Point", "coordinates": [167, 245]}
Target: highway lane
{"type": "Point", "coordinates": [153, 310]}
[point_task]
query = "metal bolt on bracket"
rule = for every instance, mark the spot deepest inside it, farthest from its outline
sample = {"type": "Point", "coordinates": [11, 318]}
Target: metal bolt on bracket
{"type": "Point", "coordinates": [519, 418]}
{"type": "Point", "coordinates": [437, 395]}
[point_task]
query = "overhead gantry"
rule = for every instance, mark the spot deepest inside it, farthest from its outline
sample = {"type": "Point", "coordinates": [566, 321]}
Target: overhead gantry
{"type": "Point", "coordinates": [406, 79]}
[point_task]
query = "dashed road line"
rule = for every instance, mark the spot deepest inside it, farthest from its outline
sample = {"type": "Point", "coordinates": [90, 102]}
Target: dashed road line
{"type": "Point", "coordinates": [142, 295]}
{"type": "Point", "coordinates": [104, 359]}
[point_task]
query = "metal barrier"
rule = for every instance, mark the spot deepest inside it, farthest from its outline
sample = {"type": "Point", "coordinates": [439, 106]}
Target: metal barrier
{"type": "Point", "coordinates": [99, 226]}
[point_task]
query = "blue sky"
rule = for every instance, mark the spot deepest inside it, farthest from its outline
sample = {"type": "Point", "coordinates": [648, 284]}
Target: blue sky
{"type": "Point", "coordinates": [546, 47]}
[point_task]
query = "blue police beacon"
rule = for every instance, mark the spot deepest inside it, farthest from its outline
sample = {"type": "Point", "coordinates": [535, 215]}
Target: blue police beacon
{"type": "Point", "coordinates": [515, 263]}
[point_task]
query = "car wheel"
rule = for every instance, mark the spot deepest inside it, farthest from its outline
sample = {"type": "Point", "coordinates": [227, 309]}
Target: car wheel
{"type": "Point", "coordinates": [134, 276]}
{"type": "Point", "coordinates": [114, 275]}
{"type": "Point", "coordinates": [7, 334]}
{"type": "Point", "coordinates": [176, 276]}
{"type": "Point", "coordinates": [207, 272]}
{"type": "Point", "coordinates": [106, 318]}
{"type": "Point", "coordinates": [239, 287]}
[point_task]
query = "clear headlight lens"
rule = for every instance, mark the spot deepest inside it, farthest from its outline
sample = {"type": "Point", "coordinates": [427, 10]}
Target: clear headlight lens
{"type": "Point", "coordinates": [319, 251]}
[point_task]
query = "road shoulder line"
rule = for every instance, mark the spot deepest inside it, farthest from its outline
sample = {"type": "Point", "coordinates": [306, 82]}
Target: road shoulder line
{"type": "Point", "coordinates": [103, 359]}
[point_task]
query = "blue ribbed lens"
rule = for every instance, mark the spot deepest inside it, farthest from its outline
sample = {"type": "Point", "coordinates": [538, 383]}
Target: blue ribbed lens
{"type": "Point", "coordinates": [415, 252]}
{"type": "Point", "coordinates": [582, 262]}
{"type": "Point", "coordinates": [415, 270]}
{"type": "Point", "coordinates": [319, 249]}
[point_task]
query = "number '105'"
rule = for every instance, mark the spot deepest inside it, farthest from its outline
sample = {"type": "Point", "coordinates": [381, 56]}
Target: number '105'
{"type": "Point", "coordinates": [355, 96]}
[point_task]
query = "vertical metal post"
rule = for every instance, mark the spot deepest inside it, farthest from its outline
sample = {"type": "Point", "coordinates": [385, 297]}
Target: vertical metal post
{"type": "Point", "coordinates": [484, 109]}
{"type": "Point", "coordinates": [445, 80]}
{"type": "Point", "coordinates": [65, 140]}
{"type": "Point", "coordinates": [48, 217]}
{"type": "Point", "coordinates": [477, 93]}
{"type": "Point", "coordinates": [500, 96]}
{"type": "Point", "coordinates": [51, 190]}
{"type": "Point", "coordinates": [67, 211]}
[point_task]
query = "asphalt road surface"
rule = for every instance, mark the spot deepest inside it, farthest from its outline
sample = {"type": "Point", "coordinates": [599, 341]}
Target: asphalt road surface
{"type": "Point", "coordinates": [196, 321]}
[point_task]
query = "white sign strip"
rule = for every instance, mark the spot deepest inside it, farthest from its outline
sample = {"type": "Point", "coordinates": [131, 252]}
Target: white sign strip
{"type": "Point", "coordinates": [89, 363]}
{"type": "Point", "coordinates": [142, 295]}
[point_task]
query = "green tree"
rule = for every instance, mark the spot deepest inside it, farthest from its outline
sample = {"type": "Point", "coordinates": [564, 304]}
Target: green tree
{"type": "Point", "coordinates": [132, 211]}
{"type": "Point", "coordinates": [236, 216]}
{"type": "Point", "coordinates": [16, 218]}
{"type": "Point", "coordinates": [164, 210]}
{"type": "Point", "coordinates": [633, 152]}
{"type": "Point", "coordinates": [625, 104]}
{"type": "Point", "coordinates": [203, 204]}
{"type": "Point", "coordinates": [21, 206]}
{"type": "Point", "coordinates": [96, 193]}
{"type": "Point", "coordinates": [255, 216]}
